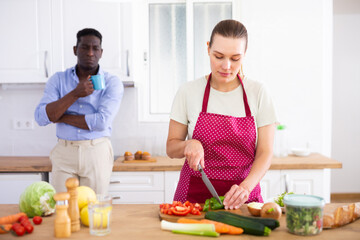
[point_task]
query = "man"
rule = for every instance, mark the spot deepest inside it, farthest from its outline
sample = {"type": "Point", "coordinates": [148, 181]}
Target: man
{"type": "Point", "coordinates": [83, 117]}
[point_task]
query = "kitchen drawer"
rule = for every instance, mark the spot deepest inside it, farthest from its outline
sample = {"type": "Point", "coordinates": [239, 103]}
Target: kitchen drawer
{"type": "Point", "coordinates": [14, 184]}
{"type": "Point", "coordinates": [136, 181]}
{"type": "Point", "coordinates": [155, 197]}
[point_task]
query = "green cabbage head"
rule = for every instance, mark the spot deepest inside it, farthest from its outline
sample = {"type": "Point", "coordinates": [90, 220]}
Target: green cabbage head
{"type": "Point", "coordinates": [37, 199]}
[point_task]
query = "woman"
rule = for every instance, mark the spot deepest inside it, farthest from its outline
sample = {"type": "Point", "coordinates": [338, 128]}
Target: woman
{"type": "Point", "coordinates": [230, 123]}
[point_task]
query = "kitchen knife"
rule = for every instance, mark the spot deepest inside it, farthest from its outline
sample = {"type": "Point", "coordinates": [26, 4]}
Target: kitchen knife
{"type": "Point", "coordinates": [208, 184]}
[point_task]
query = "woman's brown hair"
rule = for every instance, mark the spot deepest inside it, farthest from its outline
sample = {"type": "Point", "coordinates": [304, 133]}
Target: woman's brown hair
{"type": "Point", "coordinates": [230, 28]}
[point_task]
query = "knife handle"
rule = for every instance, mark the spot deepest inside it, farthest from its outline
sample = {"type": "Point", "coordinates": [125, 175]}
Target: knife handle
{"type": "Point", "coordinates": [200, 168]}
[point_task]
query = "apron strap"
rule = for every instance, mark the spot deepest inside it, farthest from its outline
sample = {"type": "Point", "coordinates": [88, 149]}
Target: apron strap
{"type": "Point", "coordinates": [207, 94]}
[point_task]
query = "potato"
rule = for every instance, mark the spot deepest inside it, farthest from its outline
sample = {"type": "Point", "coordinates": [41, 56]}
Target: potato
{"type": "Point", "coordinates": [255, 208]}
{"type": "Point", "coordinates": [271, 210]}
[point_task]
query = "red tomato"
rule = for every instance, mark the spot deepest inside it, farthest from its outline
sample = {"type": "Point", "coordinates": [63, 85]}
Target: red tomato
{"type": "Point", "coordinates": [18, 229]}
{"type": "Point", "coordinates": [29, 228]}
{"type": "Point", "coordinates": [25, 222]}
{"type": "Point", "coordinates": [37, 220]}
{"type": "Point", "coordinates": [23, 218]}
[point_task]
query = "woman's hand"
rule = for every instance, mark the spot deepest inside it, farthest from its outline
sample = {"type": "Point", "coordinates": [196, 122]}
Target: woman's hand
{"type": "Point", "coordinates": [194, 154]}
{"type": "Point", "coordinates": [236, 196]}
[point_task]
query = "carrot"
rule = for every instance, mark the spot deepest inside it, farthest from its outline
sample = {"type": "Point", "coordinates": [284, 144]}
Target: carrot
{"type": "Point", "coordinates": [219, 227]}
{"type": "Point", "coordinates": [5, 228]}
{"type": "Point", "coordinates": [187, 220]}
{"type": "Point", "coordinates": [224, 228]}
{"type": "Point", "coordinates": [235, 230]}
{"type": "Point", "coordinates": [11, 218]}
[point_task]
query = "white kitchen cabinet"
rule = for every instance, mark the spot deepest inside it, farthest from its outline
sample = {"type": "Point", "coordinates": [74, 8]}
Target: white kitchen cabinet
{"type": "Point", "coordinates": [300, 181]}
{"type": "Point", "coordinates": [14, 185]}
{"type": "Point", "coordinates": [270, 184]}
{"type": "Point", "coordinates": [39, 36]}
{"type": "Point", "coordinates": [143, 187]}
{"type": "Point", "coordinates": [26, 44]}
{"type": "Point", "coordinates": [106, 17]}
{"type": "Point", "coordinates": [171, 182]}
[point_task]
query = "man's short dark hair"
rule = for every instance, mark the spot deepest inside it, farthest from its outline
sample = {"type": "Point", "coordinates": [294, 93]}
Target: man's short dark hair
{"type": "Point", "coordinates": [87, 32]}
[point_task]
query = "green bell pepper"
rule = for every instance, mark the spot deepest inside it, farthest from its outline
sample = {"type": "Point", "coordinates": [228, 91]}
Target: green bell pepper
{"type": "Point", "coordinates": [214, 204]}
{"type": "Point", "coordinates": [206, 205]}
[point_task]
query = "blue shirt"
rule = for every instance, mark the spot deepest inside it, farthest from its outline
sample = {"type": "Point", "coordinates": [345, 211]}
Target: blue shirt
{"type": "Point", "coordinates": [99, 108]}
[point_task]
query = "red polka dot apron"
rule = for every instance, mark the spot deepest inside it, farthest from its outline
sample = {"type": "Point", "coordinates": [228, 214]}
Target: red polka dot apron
{"type": "Point", "coordinates": [229, 152]}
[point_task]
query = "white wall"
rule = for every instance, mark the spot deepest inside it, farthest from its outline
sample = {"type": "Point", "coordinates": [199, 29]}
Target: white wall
{"type": "Point", "coordinates": [128, 133]}
{"type": "Point", "coordinates": [290, 50]}
{"type": "Point", "coordinates": [346, 97]}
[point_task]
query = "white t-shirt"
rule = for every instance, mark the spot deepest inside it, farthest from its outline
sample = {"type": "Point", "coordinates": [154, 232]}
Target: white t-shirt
{"type": "Point", "coordinates": [188, 103]}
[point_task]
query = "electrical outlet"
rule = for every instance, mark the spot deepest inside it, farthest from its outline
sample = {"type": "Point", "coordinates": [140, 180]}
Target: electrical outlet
{"type": "Point", "coordinates": [23, 124]}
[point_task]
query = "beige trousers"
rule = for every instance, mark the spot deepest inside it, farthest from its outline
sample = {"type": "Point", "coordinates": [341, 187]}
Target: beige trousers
{"type": "Point", "coordinates": [91, 161]}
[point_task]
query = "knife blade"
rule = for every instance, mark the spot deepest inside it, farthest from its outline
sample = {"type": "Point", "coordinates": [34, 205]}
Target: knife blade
{"type": "Point", "coordinates": [208, 184]}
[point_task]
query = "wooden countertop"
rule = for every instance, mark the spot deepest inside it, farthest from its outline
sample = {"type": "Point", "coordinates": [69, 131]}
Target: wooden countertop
{"type": "Point", "coordinates": [43, 164]}
{"type": "Point", "coordinates": [130, 221]}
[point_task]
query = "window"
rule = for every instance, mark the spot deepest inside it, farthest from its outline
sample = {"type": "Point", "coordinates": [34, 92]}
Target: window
{"type": "Point", "coordinates": [174, 46]}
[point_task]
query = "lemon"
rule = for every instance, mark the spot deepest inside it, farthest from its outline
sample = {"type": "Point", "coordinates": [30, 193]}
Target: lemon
{"type": "Point", "coordinates": [99, 213]}
{"type": "Point", "coordinates": [84, 216]}
{"type": "Point", "coordinates": [84, 195]}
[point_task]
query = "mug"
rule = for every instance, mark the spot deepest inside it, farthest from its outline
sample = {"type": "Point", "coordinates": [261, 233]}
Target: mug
{"type": "Point", "coordinates": [98, 81]}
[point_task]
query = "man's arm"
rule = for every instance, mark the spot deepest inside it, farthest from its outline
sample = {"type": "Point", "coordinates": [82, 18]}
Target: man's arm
{"type": "Point", "coordinates": [55, 110]}
{"type": "Point", "coordinates": [74, 120]}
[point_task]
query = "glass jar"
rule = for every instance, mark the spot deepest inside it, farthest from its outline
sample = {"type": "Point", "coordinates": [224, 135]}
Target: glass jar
{"type": "Point", "coordinates": [304, 214]}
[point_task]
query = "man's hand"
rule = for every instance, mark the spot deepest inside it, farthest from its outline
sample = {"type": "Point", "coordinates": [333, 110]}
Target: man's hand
{"type": "Point", "coordinates": [84, 88]}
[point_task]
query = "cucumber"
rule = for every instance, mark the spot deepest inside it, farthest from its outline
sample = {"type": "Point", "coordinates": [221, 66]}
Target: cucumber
{"type": "Point", "coordinates": [268, 222]}
{"type": "Point", "coordinates": [250, 226]}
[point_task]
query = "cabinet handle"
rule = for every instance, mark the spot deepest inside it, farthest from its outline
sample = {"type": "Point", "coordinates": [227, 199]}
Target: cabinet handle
{"type": "Point", "coordinates": [45, 64]}
{"type": "Point", "coordinates": [145, 57]}
{"type": "Point", "coordinates": [127, 64]}
{"type": "Point", "coordinates": [117, 197]}
{"type": "Point", "coordinates": [114, 182]}
{"type": "Point", "coordinates": [286, 182]}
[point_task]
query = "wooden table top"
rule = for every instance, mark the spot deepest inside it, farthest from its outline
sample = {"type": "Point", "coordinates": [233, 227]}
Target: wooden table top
{"type": "Point", "coordinates": [43, 164]}
{"type": "Point", "coordinates": [133, 221]}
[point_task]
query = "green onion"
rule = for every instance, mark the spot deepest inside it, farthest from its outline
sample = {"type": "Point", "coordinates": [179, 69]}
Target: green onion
{"type": "Point", "coordinates": [199, 233]}
{"type": "Point", "coordinates": [166, 225]}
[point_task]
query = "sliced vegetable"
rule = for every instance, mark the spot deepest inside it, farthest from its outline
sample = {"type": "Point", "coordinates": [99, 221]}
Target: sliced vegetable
{"type": "Point", "coordinates": [268, 222]}
{"type": "Point", "coordinates": [215, 205]}
{"type": "Point", "coordinates": [11, 218]}
{"type": "Point", "coordinates": [180, 211]}
{"type": "Point", "coordinates": [250, 226]}
{"type": "Point", "coordinates": [206, 205]}
{"type": "Point", "coordinates": [5, 228]}
{"type": "Point", "coordinates": [254, 208]}
{"type": "Point", "coordinates": [166, 225]}
{"type": "Point", "coordinates": [198, 233]}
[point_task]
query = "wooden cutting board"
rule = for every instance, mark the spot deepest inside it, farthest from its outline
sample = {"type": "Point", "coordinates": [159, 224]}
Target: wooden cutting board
{"type": "Point", "coordinates": [173, 218]}
{"type": "Point", "coordinates": [140, 161]}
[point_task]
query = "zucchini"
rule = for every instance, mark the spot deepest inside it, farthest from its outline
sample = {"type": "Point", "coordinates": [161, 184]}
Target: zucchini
{"type": "Point", "coordinates": [250, 226]}
{"type": "Point", "coordinates": [268, 222]}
